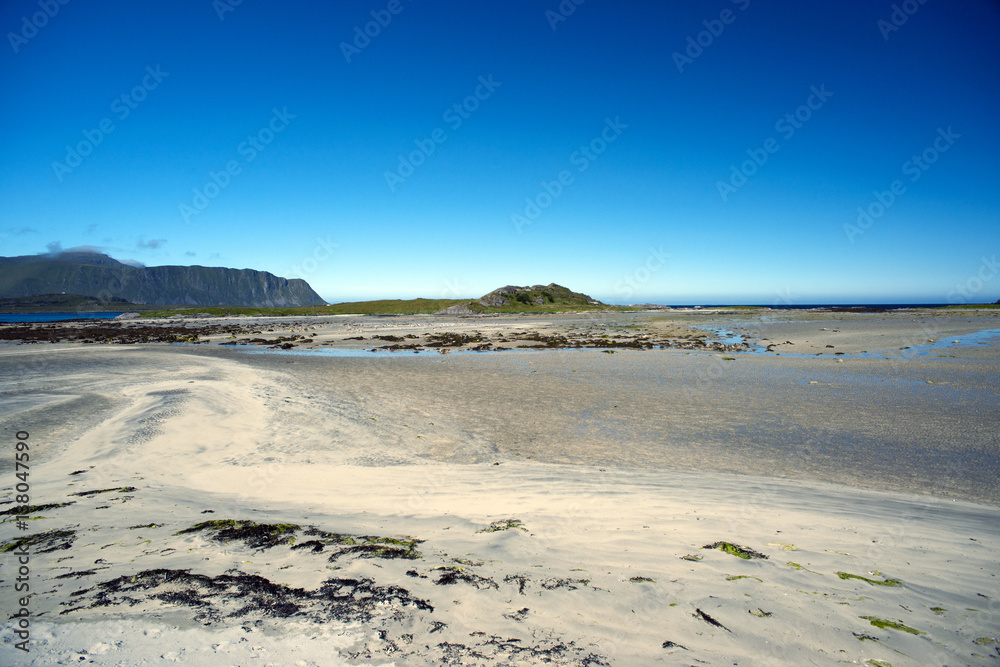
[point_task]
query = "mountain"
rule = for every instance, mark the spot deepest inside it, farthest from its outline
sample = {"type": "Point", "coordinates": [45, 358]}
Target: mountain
{"type": "Point", "coordinates": [541, 298]}
{"type": "Point", "coordinates": [100, 276]}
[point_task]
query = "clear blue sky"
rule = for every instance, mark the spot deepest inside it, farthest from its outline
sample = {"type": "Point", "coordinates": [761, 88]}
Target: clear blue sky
{"type": "Point", "coordinates": [654, 208]}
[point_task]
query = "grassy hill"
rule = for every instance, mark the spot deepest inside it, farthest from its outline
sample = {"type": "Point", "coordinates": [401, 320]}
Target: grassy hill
{"type": "Point", "coordinates": [551, 298]}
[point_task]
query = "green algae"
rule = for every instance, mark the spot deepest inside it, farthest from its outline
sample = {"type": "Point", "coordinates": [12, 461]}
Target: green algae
{"type": "Point", "coordinates": [799, 566]}
{"type": "Point", "coordinates": [885, 582]}
{"type": "Point", "coordinates": [743, 576]}
{"type": "Point", "coordinates": [890, 625]}
{"type": "Point", "coordinates": [503, 524]}
{"type": "Point", "coordinates": [746, 553]}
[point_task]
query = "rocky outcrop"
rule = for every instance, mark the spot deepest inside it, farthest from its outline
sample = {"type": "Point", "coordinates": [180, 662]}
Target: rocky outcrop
{"type": "Point", "coordinates": [100, 276]}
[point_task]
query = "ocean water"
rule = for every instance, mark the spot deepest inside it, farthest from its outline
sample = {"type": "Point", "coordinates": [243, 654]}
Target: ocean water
{"type": "Point", "coordinates": [56, 317]}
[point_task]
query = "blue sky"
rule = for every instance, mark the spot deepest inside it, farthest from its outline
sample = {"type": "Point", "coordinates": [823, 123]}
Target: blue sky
{"type": "Point", "coordinates": [680, 152]}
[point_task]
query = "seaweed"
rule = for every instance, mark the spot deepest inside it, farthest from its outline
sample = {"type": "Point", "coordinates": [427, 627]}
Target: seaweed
{"type": "Point", "coordinates": [708, 619]}
{"type": "Point", "coordinates": [453, 574]}
{"type": "Point", "coordinates": [736, 577]}
{"type": "Point", "coordinates": [253, 534]}
{"type": "Point", "coordinates": [892, 625]}
{"type": "Point", "coordinates": [760, 612]}
{"type": "Point", "coordinates": [640, 580]}
{"type": "Point", "coordinates": [31, 509]}
{"type": "Point", "coordinates": [519, 579]}
{"type": "Point", "coordinates": [504, 524]}
{"type": "Point", "coordinates": [799, 566]}
{"type": "Point", "coordinates": [518, 615]}
{"type": "Point", "coordinates": [885, 582]}
{"type": "Point", "coordinates": [235, 594]}
{"type": "Point", "coordinates": [76, 575]}
{"type": "Point", "coordinates": [571, 584]}
{"type": "Point", "coordinates": [670, 644]}
{"type": "Point", "coordinates": [42, 543]}
{"type": "Point", "coordinates": [120, 489]}
{"type": "Point", "coordinates": [745, 553]}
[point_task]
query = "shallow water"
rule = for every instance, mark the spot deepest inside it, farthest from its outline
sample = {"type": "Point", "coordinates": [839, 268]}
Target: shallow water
{"type": "Point", "coordinates": [56, 317]}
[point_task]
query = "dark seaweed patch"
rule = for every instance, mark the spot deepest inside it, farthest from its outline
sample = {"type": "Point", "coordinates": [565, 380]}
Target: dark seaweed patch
{"type": "Point", "coordinates": [571, 584]}
{"type": "Point", "coordinates": [745, 553]}
{"type": "Point", "coordinates": [42, 543]}
{"type": "Point", "coordinates": [246, 596]}
{"type": "Point", "coordinates": [31, 509]}
{"type": "Point", "coordinates": [455, 574]}
{"type": "Point", "coordinates": [518, 615]}
{"type": "Point", "coordinates": [76, 575]}
{"type": "Point", "coordinates": [120, 489]}
{"type": "Point", "coordinates": [253, 534]}
{"type": "Point", "coordinates": [708, 619]}
{"type": "Point", "coordinates": [519, 579]}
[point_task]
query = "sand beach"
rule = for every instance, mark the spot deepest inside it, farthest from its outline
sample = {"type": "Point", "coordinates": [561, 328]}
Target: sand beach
{"type": "Point", "coordinates": [618, 505]}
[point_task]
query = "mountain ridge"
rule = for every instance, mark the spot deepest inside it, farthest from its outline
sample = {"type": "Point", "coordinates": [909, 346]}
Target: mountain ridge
{"type": "Point", "coordinates": [98, 275]}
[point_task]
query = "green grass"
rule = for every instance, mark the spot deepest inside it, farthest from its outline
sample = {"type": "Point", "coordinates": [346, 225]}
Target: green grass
{"type": "Point", "coordinates": [970, 305]}
{"type": "Point", "coordinates": [382, 307]}
{"type": "Point", "coordinates": [548, 308]}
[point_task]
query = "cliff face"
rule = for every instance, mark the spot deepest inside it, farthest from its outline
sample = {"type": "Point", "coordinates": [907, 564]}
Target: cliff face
{"type": "Point", "coordinates": [97, 275]}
